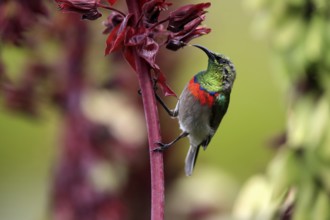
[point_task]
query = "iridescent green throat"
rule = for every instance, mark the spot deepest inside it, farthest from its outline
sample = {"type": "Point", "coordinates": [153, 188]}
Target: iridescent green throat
{"type": "Point", "coordinates": [211, 79]}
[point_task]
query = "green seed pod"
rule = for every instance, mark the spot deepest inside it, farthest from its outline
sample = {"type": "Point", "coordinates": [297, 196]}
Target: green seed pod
{"type": "Point", "coordinates": [283, 172]}
{"type": "Point", "coordinates": [326, 57]}
{"type": "Point", "coordinates": [321, 208]}
{"type": "Point", "coordinates": [288, 34]}
{"type": "Point", "coordinates": [261, 25]}
{"type": "Point", "coordinates": [282, 72]}
{"type": "Point", "coordinates": [297, 3]}
{"type": "Point", "coordinates": [321, 5]}
{"type": "Point", "coordinates": [318, 123]}
{"type": "Point", "coordinates": [314, 39]}
{"type": "Point", "coordinates": [278, 10]}
{"type": "Point", "coordinates": [305, 200]}
{"type": "Point", "coordinates": [323, 173]}
{"type": "Point", "coordinates": [298, 122]}
{"type": "Point", "coordinates": [326, 144]}
{"type": "Point", "coordinates": [296, 60]}
{"type": "Point", "coordinates": [254, 200]}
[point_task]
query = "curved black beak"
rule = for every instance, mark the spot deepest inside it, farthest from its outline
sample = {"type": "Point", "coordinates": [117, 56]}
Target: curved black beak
{"type": "Point", "coordinates": [210, 54]}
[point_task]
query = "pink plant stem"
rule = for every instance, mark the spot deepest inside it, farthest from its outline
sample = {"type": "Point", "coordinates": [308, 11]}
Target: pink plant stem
{"type": "Point", "coordinates": [156, 158]}
{"type": "Point", "coordinates": [152, 120]}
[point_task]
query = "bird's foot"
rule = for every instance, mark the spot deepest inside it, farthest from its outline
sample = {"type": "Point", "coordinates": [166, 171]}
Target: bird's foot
{"type": "Point", "coordinates": [161, 147]}
{"type": "Point", "coordinates": [154, 83]}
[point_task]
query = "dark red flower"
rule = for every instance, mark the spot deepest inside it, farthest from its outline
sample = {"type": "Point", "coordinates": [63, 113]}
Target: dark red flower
{"type": "Point", "coordinates": [143, 36]}
{"type": "Point", "coordinates": [88, 8]}
{"type": "Point", "coordinates": [20, 99]}
{"type": "Point", "coordinates": [191, 30]}
{"type": "Point", "coordinates": [136, 37]}
{"type": "Point", "coordinates": [23, 97]}
{"type": "Point", "coordinates": [112, 21]}
{"type": "Point", "coordinates": [12, 28]}
{"type": "Point", "coordinates": [182, 16]}
{"type": "Point", "coordinates": [34, 6]}
{"type": "Point", "coordinates": [152, 9]}
{"type": "Point", "coordinates": [146, 47]}
{"type": "Point", "coordinates": [18, 17]}
{"type": "Point", "coordinates": [148, 51]}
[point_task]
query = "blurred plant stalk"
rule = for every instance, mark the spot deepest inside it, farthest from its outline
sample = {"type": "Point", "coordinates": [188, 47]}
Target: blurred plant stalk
{"type": "Point", "coordinates": [296, 184]}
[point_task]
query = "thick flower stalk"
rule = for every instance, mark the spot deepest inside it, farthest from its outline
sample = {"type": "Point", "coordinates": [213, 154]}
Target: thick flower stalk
{"type": "Point", "coordinates": [139, 34]}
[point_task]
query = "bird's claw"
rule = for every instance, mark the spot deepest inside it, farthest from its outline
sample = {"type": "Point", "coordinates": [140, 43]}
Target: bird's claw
{"type": "Point", "coordinates": [154, 82]}
{"type": "Point", "coordinates": [161, 147]}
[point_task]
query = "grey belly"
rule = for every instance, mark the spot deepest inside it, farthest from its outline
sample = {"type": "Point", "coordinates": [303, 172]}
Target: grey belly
{"type": "Point", "coordinates": [194, 118]}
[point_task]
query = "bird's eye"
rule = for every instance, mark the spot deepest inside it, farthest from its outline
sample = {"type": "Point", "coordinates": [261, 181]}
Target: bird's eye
{"type": "Point", "coordinates": [222, 61]}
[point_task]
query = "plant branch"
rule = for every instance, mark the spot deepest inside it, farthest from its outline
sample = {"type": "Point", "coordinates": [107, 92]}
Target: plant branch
{"type": "Point", "coordinates": [156, 158]}
{"type": "Point", "coordinates": [111, 8]}
{"type": "Point", "coordinates": [152, 120]}
{"type": "Point", "coordinates": [159, 23]}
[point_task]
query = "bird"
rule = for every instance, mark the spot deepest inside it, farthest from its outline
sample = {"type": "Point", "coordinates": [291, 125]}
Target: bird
{"type": "Point", "coordinates": [202, 105]}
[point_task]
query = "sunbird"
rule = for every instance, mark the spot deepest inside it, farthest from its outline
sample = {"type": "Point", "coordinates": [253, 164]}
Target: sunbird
{"type": "Point", "coordinates": [202, 104]}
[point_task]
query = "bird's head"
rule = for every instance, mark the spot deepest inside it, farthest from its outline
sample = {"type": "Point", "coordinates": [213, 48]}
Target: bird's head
{"type": "Point", "coordinates": [222, 65]}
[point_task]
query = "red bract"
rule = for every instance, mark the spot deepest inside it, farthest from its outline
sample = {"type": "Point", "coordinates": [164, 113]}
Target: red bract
{"type": "Point", "coordinates": [129, 57]}
{"type": "Point", "coordinates": [180, 17]}
{"type": "Point", "coordinates": [146, 47]}
{"type": "Point", "coordinates": [111, 2]}
{"type": "Point", "coordinates": [161, 80]}
{"type": "Point", "coordinates": [148, 52]}
{"type": "Point", "coordinates": [117, 35]}
{"type": "Point", "coordinates": [88, 8]}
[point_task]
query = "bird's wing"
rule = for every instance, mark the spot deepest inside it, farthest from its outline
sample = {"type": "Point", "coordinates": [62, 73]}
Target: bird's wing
{"type": "Point", "coordinates": [219, 109]}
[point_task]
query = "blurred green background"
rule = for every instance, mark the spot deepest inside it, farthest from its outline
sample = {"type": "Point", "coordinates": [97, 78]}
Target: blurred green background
{"type": "Point", "coordinates": [239, 149]}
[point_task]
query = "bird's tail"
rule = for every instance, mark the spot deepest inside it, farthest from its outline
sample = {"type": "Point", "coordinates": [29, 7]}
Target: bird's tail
{"type": "Point", "coordinates": [191, 159]}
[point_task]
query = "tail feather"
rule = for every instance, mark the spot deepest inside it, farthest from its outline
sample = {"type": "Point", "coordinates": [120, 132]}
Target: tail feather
{"type": "Point", "coordinates": [191, 159]}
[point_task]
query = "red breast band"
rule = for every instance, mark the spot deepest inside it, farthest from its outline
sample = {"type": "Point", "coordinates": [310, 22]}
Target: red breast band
{"type": "Point", "coordinates": [204, 97]}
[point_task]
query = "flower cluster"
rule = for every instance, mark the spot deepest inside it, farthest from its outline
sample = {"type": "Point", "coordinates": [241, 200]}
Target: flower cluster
{"type": "Point", "coordinates": [18, 16]}
{"type": "Point", "coordinates": [147, 33]}
{"type": "Point", "coordinates": [22, 96]}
